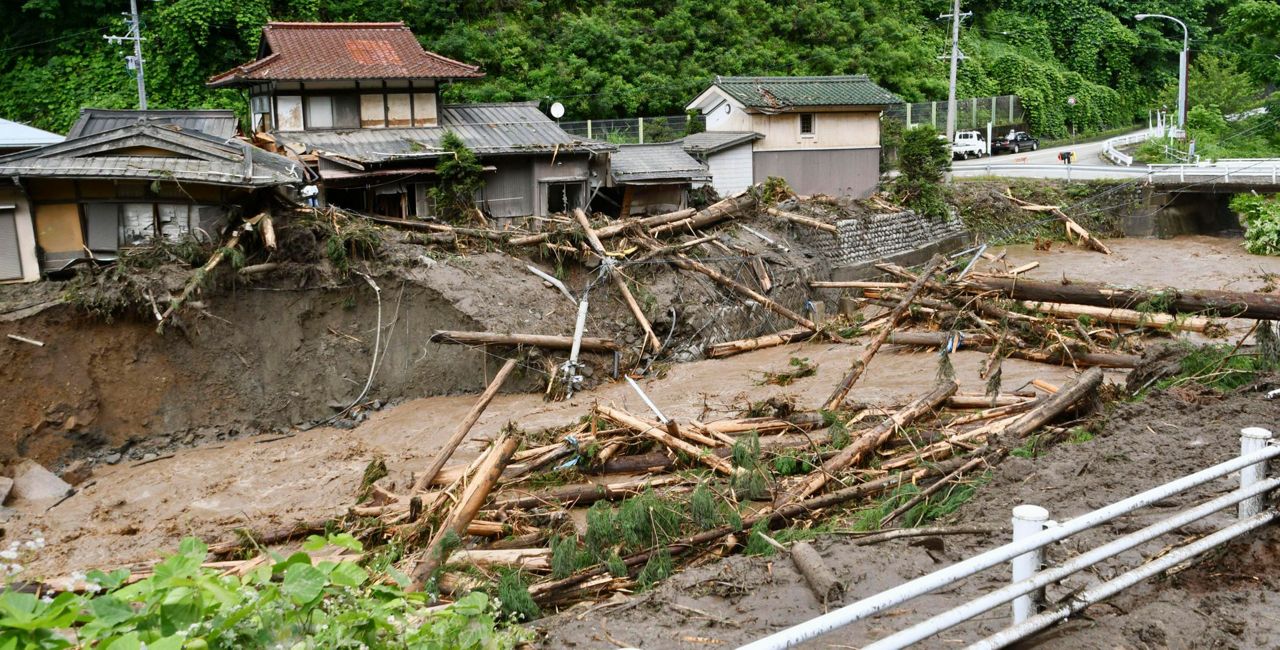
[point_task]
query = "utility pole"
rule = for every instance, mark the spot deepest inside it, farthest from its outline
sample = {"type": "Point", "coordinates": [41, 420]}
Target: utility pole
{"type": "Point", "coordinates": [134, 23]}
{"type": "Point", "coordinates": [956, 55]}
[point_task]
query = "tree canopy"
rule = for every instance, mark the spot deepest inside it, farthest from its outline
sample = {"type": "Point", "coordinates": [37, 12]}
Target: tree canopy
{"type": "Point", "coordinates": [615, 58]}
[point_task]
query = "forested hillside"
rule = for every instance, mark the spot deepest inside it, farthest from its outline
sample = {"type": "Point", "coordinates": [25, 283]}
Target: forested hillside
{"type": "Point", "coordinates": [614, 58]}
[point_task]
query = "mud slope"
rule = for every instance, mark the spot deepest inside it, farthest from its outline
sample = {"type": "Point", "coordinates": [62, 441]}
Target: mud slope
{"type": "Point", "coordinates": [1225, 602]}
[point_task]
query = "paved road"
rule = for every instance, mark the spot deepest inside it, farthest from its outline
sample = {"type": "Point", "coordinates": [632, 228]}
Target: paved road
{"type": "Point", "coordinates": [1087, 153]}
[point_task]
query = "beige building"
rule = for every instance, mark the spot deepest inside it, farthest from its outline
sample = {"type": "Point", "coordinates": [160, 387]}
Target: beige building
{"type": "Point", "coordinates": [822, 134]}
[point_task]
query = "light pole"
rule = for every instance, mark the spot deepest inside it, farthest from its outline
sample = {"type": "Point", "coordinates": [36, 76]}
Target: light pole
{"type": "Point", "coordinates": [1182, 66]}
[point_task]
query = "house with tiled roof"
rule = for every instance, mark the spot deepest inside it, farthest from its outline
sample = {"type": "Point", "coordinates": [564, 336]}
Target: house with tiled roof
{"type": "Point", "coordinates": [822, 134]}
{"type": "Point", "coordinates": [361, 103]}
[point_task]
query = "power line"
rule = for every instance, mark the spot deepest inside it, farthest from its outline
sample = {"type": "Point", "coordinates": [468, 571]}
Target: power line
{"type": "Point", "coordinates": [53, 40]}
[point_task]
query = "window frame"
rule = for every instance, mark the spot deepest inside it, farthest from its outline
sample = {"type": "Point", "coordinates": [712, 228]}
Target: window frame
{"type": "Point", "coordinates": [812, 131]}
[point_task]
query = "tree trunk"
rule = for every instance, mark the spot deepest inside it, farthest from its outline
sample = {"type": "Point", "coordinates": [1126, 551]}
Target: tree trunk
{"type": "Point", "coordinates": [534, 340]}
{"type": "Point", "coordinates": [460, 432]}
{"type": "Point", "coordinates": [1224, 304]}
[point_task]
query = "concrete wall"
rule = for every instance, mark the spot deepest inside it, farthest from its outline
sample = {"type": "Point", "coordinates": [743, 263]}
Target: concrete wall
{"type": "Point", "coordinates": [25, 232]}
{"type": "Point", "coordinates": [836, 172]}
{"type": "Point", "coordinates": [877, 236]}
{"type": "Point", "coordinates": [731, 169]}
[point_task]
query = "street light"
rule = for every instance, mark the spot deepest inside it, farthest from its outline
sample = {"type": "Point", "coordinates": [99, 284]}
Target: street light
{"type": "Point", "coordinates": [1182, 66]}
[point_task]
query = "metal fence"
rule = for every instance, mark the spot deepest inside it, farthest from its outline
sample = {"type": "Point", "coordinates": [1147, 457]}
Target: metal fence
{"type": "Point", "coordinates": [971, 113]}
{"type": "Point", "coordinates": [636, 129]}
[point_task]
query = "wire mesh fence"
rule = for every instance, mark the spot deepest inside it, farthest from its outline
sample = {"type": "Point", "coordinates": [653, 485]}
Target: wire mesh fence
{"type": "Point", "coordinates": [636, 129]}
{"type": "Point", "coordinates": [971, 113]}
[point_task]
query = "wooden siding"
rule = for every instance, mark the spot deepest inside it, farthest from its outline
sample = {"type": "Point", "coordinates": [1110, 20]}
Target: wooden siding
{"type": "Point", "coordinates": [731, 169]}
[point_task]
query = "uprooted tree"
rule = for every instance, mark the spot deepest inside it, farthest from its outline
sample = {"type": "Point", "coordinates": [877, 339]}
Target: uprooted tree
{"type": "Point", "coordinates": [459, 179]}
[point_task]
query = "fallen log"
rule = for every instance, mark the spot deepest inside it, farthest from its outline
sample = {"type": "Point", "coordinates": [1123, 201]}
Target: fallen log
{"type": "Point", "coordinates": [867, 442]}
{"type": "Point", "coordinates": [1224, 304]}
{"type": "Point", "coordinates": [473, 498]}
{"type": "Point", "coordinates": [816, 572]}
{"type": "Point", "coordinates": [1072, 392]}
{"type": "Point", "coordinates": [684, 262]}
{"type": "Point", "coordinates": [860, 363]}
{"type": "Point", "coordinates": [618, 281]}
{"type": "Point", "coordinates": [982, 343]}
{"type": "Point", "coordinates": [585, 494]}
{"type": "Point", "coordinates": [464, 427]}
{"type": "Point", "coordinates": [838, 284]}
{"type": "Point", "coordinates": [1130, 317]}
{"type": "Point", "coordinates": [554, 590]}
{"type": "Point", "coordinates": [803, 220]}
{"type": "Point", "coordinates": [525, 559]}
{"type": "Point", "coordinates": [730, 348]}
{"type": "Point", "coordinates": [660, 434]}
{"type": "Point", "coordinates": [714, 213]}
{"type": "Point", "coordinates": [534, 340]}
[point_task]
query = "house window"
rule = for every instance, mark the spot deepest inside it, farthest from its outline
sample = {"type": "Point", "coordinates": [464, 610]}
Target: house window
{"type": "Point", "coordinates": [563, 197]}
{"type": "Point", "coordinates": [333, 112]}
{"type": "Point", "coordinates": [112, 226]}
{"type": "Point", "coordinates": [806, 124]}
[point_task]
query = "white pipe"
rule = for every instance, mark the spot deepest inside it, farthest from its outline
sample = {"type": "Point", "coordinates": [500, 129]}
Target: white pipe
{"type": "Point", "coordinates": [943, 577]}
{"type": "Point", "coordinates": [1125, 580]}
{"type": "Point", "coordinates": [1252, 440]}
{"type": "Point", "coordinates": [647, 402]}
{"type": "Point", "coordinates": [950, 618]}
{"type": "Point", "coordinates": [1028, 520]}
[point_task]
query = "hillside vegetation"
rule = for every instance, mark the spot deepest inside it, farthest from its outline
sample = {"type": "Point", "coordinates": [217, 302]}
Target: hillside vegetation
{"type": "Point", "coordinates": [612, 58]}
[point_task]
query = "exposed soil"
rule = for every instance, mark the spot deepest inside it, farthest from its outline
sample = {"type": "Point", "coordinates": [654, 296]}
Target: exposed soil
{"type": "Point", "coordinates": [1225, 601]}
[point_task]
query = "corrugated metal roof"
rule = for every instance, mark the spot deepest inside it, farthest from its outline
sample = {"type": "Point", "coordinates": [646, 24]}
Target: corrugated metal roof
{"type": "Point", "coordinates": [14, 135]}
{"type": "Point", "coordinates": [648, 162]}
{"type": "Point", "coordinates": [781, 93]}
{"type": "Point", "coordinates": [713, 141]}
{"type": "Point", "coordinates": [218, 123]}
{"type": "Point", "coordinates": [343, 51]}
{"type": "Point", "coordinates": [199, 158]}
{"type": "Point", "coordinates": [488, 129]}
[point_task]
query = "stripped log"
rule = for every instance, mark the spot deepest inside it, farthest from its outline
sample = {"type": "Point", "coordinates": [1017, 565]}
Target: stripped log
{"type": "Point", "coordinates": [464, 427]}
{"type": "Point", "coordinates": [585, 494]}
{"type": "Point", "coordinates": [714, 213]}
{"type": "Point", "coordinates": [1056, 404]}
{"type": "Point", "coordinates": [730, 348]}
{"type": "Point", "coordinates": [840, 284]}
{"type": "Point", "coordinates": [533, 340]}
{"type": "Point", "coordinates": [867, 442]}
{"type": "Point", "coordinates": [687, 264]}
{"type": "Point", "coordinates": [525, 559]}
{"type": "Point", "coordinates": [860, 363]}
{"type": "Point", "coordinates": [659, 433]}
{"type": "Point", "coordinates": [618, 281]}
{"type": "Point", "coordinates": [1224, 304]}
{"type": "Point", "coordinates": [816, 572]}
{"type": "Point", "coordinates": [556, 590]}
{"type": "Point", "coordinates": [1130, 317]}
{"type": "Point", "coordinates": [981, 343]}
{"type": "Point", "coordinates": [476, 493]}
{"type": "Point", "coordinates": [803, 220]}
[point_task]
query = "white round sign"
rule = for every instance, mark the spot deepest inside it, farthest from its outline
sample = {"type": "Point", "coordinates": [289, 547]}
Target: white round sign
{"type": "Point", "coordinates": [557, 110]}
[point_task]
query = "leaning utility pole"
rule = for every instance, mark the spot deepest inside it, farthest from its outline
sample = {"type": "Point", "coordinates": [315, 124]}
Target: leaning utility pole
{"type": "Point", "coordinates": [955, 17]}
{"type": "Point", "coordinates": [134, 22]}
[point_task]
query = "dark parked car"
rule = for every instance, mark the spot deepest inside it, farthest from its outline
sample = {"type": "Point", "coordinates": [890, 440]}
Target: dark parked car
{"type": "Point", "coordinates": [1016, 142]}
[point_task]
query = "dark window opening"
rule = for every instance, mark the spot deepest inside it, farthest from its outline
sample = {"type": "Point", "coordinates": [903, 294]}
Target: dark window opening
{"type": "Point", "coordinates": [806, 124]}
{"type": "Point", "coordinates": [563, 197]}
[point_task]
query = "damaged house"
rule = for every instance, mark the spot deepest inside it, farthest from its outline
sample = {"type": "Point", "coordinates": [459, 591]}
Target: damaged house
{"type": "Point", "coordinates": [821, 134]}
{"type": "Point", "coordinates": [361, 103]}
{"type": "Point", "coordinates": [652, 178]}
{"type": "Point", "coordinates": [124, 178]}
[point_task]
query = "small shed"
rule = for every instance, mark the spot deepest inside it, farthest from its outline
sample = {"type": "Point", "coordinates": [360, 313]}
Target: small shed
{"type": "Point", "coordinates": [654, 178]}
{"type": "Point", "coordinates": [727, 155]}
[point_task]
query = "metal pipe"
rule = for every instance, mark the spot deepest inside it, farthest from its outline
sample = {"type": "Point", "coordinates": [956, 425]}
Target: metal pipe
{"type": "Point", "coordinates": [647, 402]}
{"type": "Point", "coordinates": [902, 593]}
{"type": "Point", "coordinates": [1125, 580]}
{"type": "Point", "coordinates": [1252, 439]}
{"type": "Point", "coordinates": [952, 617]}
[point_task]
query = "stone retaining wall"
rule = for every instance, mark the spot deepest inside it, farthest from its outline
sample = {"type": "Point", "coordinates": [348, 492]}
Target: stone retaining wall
{"type": "Point", "coordinates": [877, 236]}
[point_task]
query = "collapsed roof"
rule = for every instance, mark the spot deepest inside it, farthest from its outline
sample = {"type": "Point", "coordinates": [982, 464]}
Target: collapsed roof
{"type": "Point", "coordinates": [149, 151]}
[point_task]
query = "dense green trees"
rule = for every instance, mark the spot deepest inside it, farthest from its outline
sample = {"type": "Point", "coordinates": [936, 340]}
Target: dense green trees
{"type": "Point", "coordinates": [612, 58]}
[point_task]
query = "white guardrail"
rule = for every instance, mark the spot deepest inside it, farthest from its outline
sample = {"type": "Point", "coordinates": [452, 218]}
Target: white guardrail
{"type": "Point", "coordinates": [1256, 170]}
{"type": "Point", "coordinates": [1032, 532]}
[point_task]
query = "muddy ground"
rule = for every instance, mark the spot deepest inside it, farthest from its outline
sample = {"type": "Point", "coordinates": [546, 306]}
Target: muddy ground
{"type": "Point", "coordinates": [132, 510]}
{"type": "Point", "coordinates": [1226, 601]}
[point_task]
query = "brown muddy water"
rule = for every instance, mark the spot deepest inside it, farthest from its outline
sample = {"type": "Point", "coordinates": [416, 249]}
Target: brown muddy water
{"type": "Point", "coordinates": [132, 512]}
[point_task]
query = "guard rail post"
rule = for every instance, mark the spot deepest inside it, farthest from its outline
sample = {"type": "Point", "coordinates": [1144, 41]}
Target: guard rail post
{"type": "Point", "coordinates": [1252, 440]}
{"type": "Point", "coordinates": [1028, 521]}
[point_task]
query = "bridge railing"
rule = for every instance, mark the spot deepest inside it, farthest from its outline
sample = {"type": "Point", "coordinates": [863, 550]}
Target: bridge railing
{"type": "Point", "coordinates": [1111, 148]}
{"type": "Point", "coordinates": [1261, 171]}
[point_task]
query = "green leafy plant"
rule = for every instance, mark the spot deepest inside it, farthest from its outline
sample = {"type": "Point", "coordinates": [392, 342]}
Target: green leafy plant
{"type": "Point", "coordinates": [295, 599]}
{"type": "Point", "coordinates": [923, 158]}
{"type": "Point", "coordinates": [459, 177]}
{"type": "Point", "coordinates": [1260, 216]}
